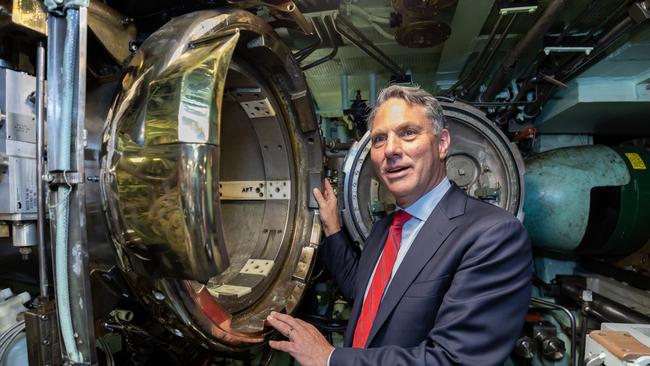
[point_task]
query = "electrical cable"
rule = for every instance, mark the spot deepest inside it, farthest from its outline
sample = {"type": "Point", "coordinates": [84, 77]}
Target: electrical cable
{"type": "Point", "coordinates": [9, 336]}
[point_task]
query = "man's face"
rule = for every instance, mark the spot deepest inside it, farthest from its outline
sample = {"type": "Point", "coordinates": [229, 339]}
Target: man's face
{"type": "Point", "coordinates": [407, 156]}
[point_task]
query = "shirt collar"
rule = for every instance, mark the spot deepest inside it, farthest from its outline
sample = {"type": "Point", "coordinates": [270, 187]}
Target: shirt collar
{"type": "Point", "coordinates": [422, 208]}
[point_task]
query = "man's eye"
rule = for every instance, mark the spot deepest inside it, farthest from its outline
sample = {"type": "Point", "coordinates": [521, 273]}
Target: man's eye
{"type": "Point", "coordinates": [410, 132]}
{"type": "Point", "coordinates": [378, 140]}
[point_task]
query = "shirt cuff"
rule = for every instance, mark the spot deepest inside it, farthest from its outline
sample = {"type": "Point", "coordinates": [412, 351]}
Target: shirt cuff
{"type": "Point", "coordinates": [330, 357]}
{"type": "Point", "coordinates": [335, 235]}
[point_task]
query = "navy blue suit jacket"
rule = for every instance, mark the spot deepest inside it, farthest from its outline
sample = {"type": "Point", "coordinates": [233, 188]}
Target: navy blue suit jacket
{"type": "Point", "coordinates": [459, 296]}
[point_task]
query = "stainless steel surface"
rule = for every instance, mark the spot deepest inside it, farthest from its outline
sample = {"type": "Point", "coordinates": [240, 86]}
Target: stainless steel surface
{"type": "Point", "coordinates": [43, 344]}
{"type": "Point", "coordinates": [17, 147]}
{"type": "Point", "coordinates": [29, 14]}
{"type": "Point", "coordinates": [82, 310]}
{"type": "Point", "coordinates": [258, 108]}
{"type": "Point", "coordinates": [43, 277]}
{"type": "Point", "coordinates": [23, 233]}
{"type": "Point", "coordinates": [162, 177]}
{"type": "Point", "coordinates": [633, 297]}
{"type": "Point", "coordinates": [481, 161]}
{"type": "Point", "coordinates": [113, 30]}
{"type": "Point", "coordinates": [175, 158]}
{"type": "Point", "coordinates": [602, 307]}
{"type": "Point", "coordinates": [255, 190]}
{"type": "Point", "coordinates": [287, 7]}
{"type": "Point", "coordinates": [79, 285]}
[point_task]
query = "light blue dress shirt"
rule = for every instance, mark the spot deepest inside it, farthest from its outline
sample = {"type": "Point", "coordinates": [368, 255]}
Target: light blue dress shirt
{"type": "Point", "coordinates": [420, 210]}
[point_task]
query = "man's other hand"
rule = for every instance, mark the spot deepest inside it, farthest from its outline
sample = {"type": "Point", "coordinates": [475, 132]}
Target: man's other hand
{"type": "Point", "coordinates": [306, 344]}
{"type": "Point", "coordinates": [329, 213]}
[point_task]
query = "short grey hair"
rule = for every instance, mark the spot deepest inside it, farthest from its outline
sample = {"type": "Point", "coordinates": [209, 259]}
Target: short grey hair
{"type": "Point", "coordinates": [413, 95]}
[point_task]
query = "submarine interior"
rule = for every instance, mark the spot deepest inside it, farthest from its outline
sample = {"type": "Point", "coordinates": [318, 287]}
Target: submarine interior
{"type": "Point", "coordinates": [157, 162]}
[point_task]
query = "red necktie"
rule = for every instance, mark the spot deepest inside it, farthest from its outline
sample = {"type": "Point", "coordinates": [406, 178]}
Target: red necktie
{"type": "Point", "coordinates": [380, 280]}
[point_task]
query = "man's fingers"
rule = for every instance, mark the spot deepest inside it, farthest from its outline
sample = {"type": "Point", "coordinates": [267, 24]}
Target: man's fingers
{"type": "Point", "coordinates": [290, 321]}
{"type": "Point", "coordinates": [282, 327]}
{"type": "Point", "coordinates": [287, 325]}
{"type": "Point", "coordinates": [329, 191]}
{"type": "Point", "coordinates": [283, 346]}
{"type": "Point", "coordinates": [319, 197]}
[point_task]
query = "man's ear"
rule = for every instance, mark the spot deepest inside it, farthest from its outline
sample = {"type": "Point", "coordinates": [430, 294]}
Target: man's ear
{"type": "Point", "coordinates": [444, 141]}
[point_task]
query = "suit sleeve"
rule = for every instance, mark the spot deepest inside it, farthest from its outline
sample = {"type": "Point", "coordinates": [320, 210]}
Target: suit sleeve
{"type": "Point", "coordinates": [481, 314]}
{"type": "Point", "coordinates": [341, 261]}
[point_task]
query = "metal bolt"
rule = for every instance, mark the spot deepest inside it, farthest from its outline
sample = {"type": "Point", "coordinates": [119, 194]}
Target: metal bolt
{"type": "Point", "coordinates": [158, 295]}
{"type": "Point", "coordinates": [46, 342]}
{"type": "Point", "coordinates": [461, 171]}
{"type": "Point", "coordinates": [177, 332]}
{"type": "Point", "coordinates": [25, 252]}
{"type": "Point", "coordinates": [92, 178]}
{"type": "Point", "coordinates": [44, 317]}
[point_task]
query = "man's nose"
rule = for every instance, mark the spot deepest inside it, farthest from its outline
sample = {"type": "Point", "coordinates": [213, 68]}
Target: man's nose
{"type": "Point", "coordinates": [393, 145]}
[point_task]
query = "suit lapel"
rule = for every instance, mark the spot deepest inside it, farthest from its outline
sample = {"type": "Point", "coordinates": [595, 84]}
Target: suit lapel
{"type": "Point", "coordinates": [372, 251]}
{"type": "Point", "coordinates": [427, 242]}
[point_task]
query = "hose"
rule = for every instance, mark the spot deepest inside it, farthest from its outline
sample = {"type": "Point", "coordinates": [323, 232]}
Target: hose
{"type": "Point", "coordinates": [373, 20]}
{"type": "Point", "coordinates": [63, 193]}
{"type": "Point", "coordinates": [9, 336]}
{"type": "Point", "coordinates": [110, 360]}
{"type": "Point", "coordinates": [369, 17]}
{"type": "Point", "coordinates": [382, 32]}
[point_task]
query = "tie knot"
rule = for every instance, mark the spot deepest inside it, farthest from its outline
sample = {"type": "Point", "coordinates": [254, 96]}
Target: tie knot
{"type": "Point", "coordinates": [400, 217]}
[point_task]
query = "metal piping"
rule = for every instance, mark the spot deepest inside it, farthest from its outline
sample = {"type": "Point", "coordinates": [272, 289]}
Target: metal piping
{"type": "Point", "coordinates": [368, 47]}
{"type": "Point", "coordinates": [605, 308]}
{"type": "Point", "coordinates": [537, 301]}
{"type": "Point", "coordinates": [535, 34]}
{"type": "Point", "coordinates": [601, 45]}
{"type": "Point", "coordinates": [614, 14]}
{"type": "Point", "coordinates": [577, 64]}
{"type": "Point", "coordinates": [345, 92]}
{"type": "Point", "coordinates": [329, 33]}
{"type": "Point", "coordinates": [369, 17]}
{"type": "Point", "coordinates": [493, 51]}
{"type": "Point", "coordinates": [40, 168]}
{"type": "Point", "coordinates": [480, 56]}
{"type": "Point", "coordinates": [304, 52]}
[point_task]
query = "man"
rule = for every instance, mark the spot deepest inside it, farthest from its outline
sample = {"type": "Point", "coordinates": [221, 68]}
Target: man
{"type": "Point", "coordinates": [444, 280]}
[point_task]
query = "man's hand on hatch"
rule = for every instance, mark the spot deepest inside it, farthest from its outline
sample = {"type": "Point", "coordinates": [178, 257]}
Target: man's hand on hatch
{"type": "Point", "coordinates": [306, 344]}
{"type": "Point", "coordinates": [329, 213]}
